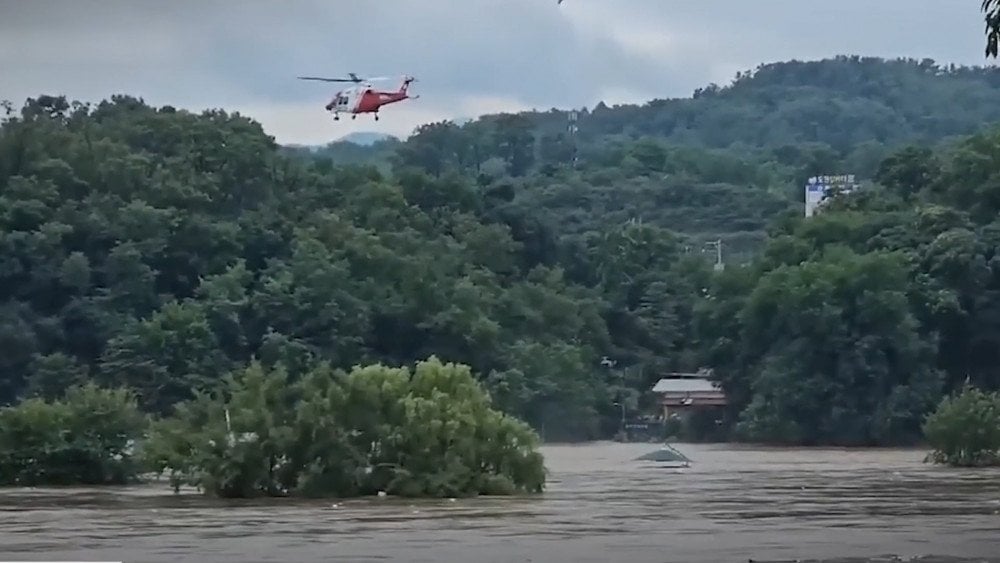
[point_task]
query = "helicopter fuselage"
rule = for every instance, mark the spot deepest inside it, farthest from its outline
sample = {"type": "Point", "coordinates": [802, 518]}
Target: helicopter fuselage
{"type": "Point", "coordinates": [364, 99]}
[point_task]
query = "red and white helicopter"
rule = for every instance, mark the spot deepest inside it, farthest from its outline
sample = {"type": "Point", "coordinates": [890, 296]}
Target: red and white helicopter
{"type": "Point", "coordinates": [363, 98]}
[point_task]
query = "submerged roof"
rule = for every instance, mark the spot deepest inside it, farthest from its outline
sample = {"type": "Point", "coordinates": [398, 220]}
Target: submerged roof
{"type": "Point", "coordinates": [665, 454]}
{"type": "Point", "coordinates": [686, 385]}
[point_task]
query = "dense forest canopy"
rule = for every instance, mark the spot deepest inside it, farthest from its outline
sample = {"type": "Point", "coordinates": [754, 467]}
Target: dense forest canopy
{"type": "Point", "coordinates": [161, 249]}
{"type": "Point", "coordinates": [852, 324]}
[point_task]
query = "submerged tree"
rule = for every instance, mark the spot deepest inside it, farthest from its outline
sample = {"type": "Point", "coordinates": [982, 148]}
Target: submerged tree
{"type": "Point", "coordinates": [965, 429]}
{"type": "Point", "coordinates": [429, 432]}
{"type": "Point", "coordinates": [83, 438]}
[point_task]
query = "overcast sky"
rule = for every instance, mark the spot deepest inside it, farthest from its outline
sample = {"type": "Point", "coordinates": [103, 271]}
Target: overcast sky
{"type": "Point", "coordinates": [470, 56]}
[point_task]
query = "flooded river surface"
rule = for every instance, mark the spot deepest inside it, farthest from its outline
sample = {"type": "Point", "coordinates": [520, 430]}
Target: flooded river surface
{"type": "Point", "coordinates": [733, 504]}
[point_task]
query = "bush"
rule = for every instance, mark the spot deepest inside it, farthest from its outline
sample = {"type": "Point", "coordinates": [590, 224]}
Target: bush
{"type": "Point", "coordinates": [965, 429]}
{"type": "Point", "coordinates": [431, 432]}
{"type": "Point", "coordinates": [83, 439]}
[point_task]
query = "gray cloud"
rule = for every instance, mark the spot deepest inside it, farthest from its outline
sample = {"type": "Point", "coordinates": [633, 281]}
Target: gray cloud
{"type": "Point", "coordinates": [470, 55]}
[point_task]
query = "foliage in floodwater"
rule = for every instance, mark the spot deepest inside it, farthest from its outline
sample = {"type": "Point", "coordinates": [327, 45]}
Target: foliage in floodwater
{"type": "Point", "coordinates": [429, 432]}
{"type": "Point", "coordinates": [83, 438]}
{"type": "Point", "coordinates": [965, 429]}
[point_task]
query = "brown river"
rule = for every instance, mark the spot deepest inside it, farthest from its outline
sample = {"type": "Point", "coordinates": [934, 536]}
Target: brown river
{"type": "Point", "coordinates": [732, 504]}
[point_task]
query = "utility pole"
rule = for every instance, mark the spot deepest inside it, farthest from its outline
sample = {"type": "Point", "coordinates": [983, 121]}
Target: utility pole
{"type": "Point", "coordinates": [621, 430]}
{"type": "Point", "coordinates": [621, 399]}
{"type": "Point", "coordinates": [719, 266]}
{"type": "Point", "coordinates": [611, 364]}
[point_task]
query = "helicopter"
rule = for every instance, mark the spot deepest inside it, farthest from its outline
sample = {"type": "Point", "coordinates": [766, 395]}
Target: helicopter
{"type": "Point", "coordinates": [362, 97]}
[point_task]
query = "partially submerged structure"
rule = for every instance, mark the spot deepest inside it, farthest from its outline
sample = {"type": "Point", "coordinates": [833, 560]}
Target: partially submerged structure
{"type": "Point", "coordinates": [666, 454]}
{"type": "Point", "coordinates": [681, 393]}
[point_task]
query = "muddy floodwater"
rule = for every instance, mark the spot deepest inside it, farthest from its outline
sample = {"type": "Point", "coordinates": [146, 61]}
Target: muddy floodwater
{"type": "Point", "coordinates": [732, 504]}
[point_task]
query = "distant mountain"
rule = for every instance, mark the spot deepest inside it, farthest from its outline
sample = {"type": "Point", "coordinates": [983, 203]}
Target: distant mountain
{"type": "Point", "coordinates": [365, 138]}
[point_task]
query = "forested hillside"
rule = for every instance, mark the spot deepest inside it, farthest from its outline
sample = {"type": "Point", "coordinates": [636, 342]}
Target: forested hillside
{"type": "Point", "coordinates": [719, 164]}
{"type": "Point", "coordinates": [161, 249]}
{"type": "Point", "coordinates": [843, 102]}
{"type": "Point", "coordinates": [850, 326]}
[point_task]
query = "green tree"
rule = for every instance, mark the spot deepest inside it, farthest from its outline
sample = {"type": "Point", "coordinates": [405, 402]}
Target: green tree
{"type": "Point", "coordinates": [908, 171]}
{"type": "Point", "coordinates": [965, 429]}
{"type": "Point", "coordinates": [84, 438]}
{"type": "Point", "coordinates": [426, 432]}
{"type": "Point", "coordinates": [165, 357]}
{"type": "Point", "coordinates": [515, 142]}
{"type": "Point", "coordinates": [838, 355]}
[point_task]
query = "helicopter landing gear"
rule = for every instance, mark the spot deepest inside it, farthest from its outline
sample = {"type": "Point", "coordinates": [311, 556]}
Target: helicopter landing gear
{"type": "Point", "coordinates": [376, 117]}
{"type": "Point", "coordinates": [336, 117]}
{"type": "Point", "coordinates": [354, 116]}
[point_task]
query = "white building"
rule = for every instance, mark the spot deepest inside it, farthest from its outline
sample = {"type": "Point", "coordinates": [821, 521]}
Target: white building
{"type": "Point", "coordinates": [819, 188]}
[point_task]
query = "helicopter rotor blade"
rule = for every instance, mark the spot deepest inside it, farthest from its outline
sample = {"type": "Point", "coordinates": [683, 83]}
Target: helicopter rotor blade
{"type": "Point", "coordinates": [324, 79]}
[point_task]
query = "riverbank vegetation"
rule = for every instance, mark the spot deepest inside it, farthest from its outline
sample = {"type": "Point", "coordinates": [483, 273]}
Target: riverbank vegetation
{"type": "Point", "coordinates": [157, 250]}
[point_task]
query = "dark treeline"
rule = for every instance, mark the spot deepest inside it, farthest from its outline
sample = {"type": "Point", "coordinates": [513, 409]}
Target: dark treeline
{"type": "Point", "coordinates": [160, 250]}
